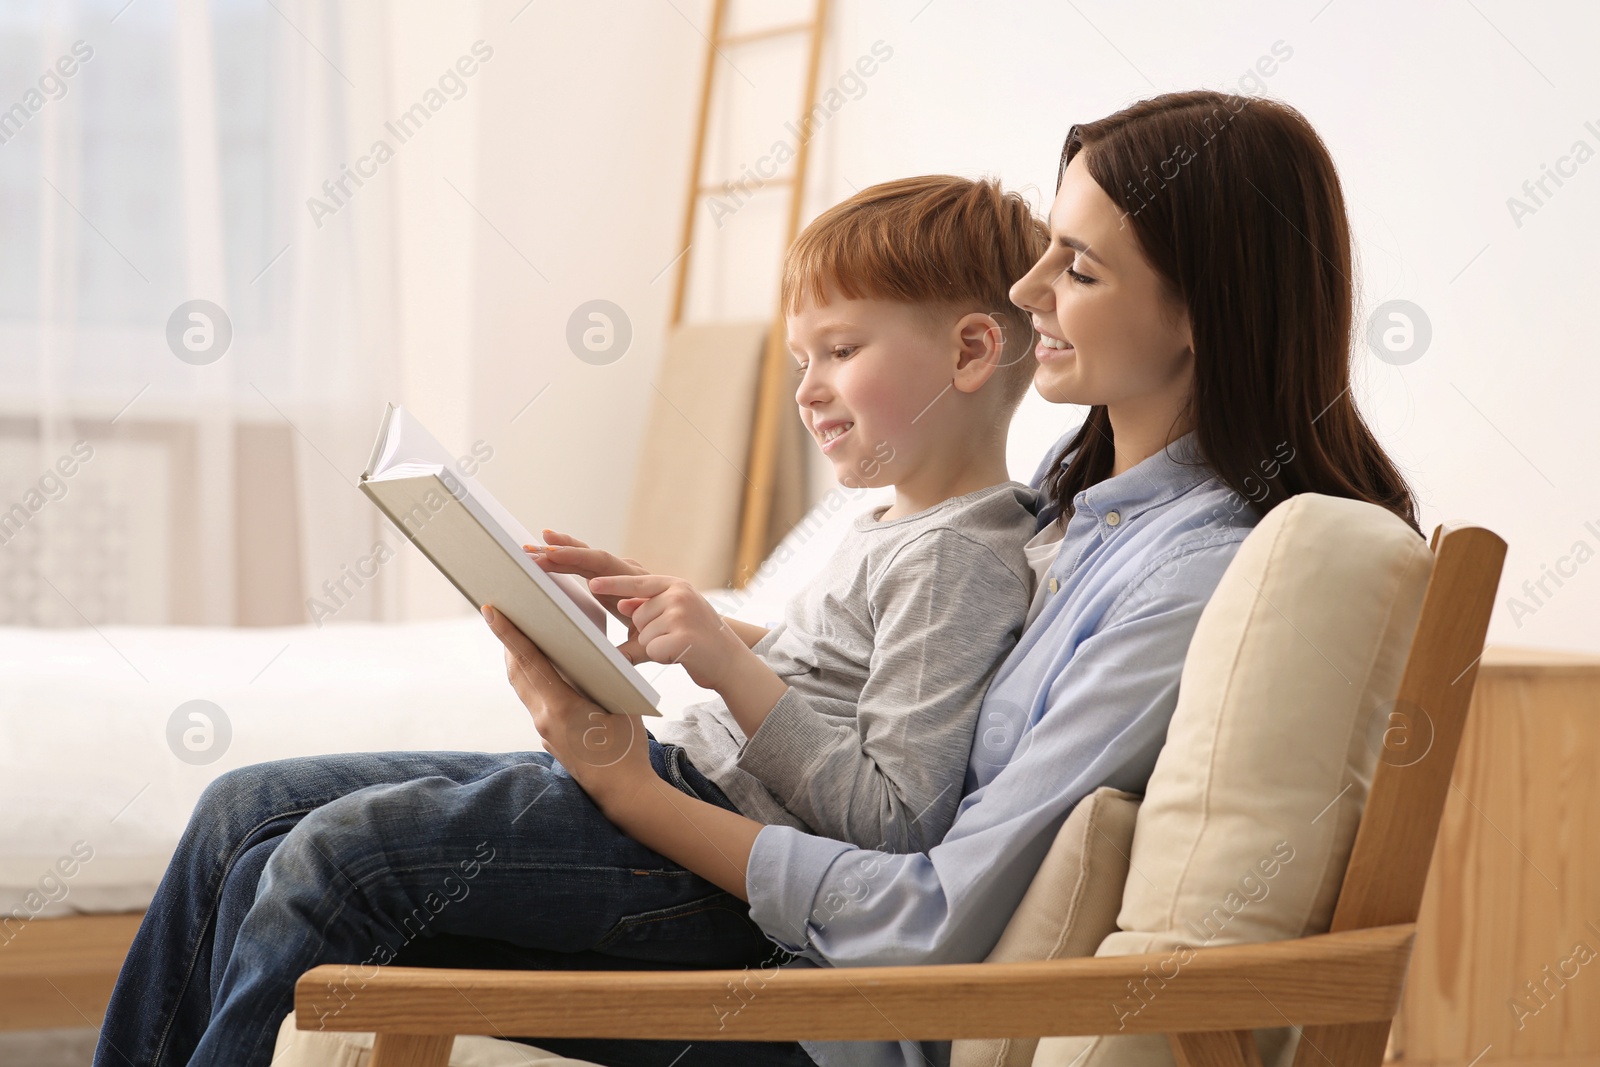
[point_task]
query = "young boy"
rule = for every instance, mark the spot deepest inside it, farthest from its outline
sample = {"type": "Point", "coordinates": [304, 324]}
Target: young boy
{"type": "Point", "coordinates": [855, 716]}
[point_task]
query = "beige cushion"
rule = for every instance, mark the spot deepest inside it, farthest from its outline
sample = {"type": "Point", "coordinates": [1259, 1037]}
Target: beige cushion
{"type": "Point", "coordinates": [1069, 908]}
{"type": "Point", "coordinates": [325, 1048]}
{"type": "Point", "coordinates": [1252, 808]}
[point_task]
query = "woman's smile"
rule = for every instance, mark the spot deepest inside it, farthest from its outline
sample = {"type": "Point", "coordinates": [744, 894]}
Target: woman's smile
{"type": "Point", "coordinates": [1051, 347]}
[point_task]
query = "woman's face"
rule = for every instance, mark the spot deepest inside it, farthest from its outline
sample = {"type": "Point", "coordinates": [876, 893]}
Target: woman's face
{"type": "Point", "coordinates": [1110, 331]}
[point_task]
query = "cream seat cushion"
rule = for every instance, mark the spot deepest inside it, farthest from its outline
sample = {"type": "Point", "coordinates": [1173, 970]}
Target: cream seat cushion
{"type": "Point", "coordinates": [1286, 694]}
{"type": "Point", "coordinates": [325, 1048]}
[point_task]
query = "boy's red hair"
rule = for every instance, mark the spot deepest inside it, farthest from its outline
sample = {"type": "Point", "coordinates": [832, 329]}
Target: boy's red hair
{"type": "Point", "coordinates": [935, 239]}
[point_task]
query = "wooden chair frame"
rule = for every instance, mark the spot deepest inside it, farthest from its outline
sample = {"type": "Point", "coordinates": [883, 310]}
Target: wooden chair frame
{"type": "Point", "coordinates": [1342, 988]}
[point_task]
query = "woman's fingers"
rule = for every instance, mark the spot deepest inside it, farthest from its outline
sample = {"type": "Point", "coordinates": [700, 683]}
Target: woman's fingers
{"type": "Point", "coordinates": [523, 657]}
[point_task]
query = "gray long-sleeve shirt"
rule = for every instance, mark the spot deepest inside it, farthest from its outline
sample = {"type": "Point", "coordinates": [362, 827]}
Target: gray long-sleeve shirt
{"type": "Point", "coordinates": [887, 655]}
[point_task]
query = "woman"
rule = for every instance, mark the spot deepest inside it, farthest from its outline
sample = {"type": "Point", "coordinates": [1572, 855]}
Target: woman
{"type": "Point", "coordinates": [1197, 296]}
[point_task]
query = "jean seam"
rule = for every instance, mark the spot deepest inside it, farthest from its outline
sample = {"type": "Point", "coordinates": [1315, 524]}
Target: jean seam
{"type": "Point", "coordinates": [211, 911]}
{"type": "Point", "coordinates": [277, 1012]}
{"type": "Point", "coordinates": [620, 868]}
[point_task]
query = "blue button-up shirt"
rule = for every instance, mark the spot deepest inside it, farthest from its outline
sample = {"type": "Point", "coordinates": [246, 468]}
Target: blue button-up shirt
{"type": "Point", "coordinates": [1083, 701]}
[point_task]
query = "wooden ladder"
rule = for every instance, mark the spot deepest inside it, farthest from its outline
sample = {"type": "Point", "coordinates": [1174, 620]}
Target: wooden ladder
{"type": "Point", "coordinates": [771, 402]}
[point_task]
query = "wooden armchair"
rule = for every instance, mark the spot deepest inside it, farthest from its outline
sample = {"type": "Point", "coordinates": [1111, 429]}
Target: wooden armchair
{"type": "Point", "coordinates": [1342, 988]}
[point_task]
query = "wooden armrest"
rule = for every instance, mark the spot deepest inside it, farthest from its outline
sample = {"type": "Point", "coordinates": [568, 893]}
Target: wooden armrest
{"type": "Point", "coordinates": [1355, 976]}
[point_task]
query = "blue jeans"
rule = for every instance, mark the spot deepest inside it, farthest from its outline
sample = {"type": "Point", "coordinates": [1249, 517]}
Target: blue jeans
{"type": "Point", "coordinates": [441, 859]}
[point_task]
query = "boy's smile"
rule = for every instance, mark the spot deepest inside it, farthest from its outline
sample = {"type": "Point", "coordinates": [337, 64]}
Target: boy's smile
{"type": "Point", "coordinates": [829, 431]}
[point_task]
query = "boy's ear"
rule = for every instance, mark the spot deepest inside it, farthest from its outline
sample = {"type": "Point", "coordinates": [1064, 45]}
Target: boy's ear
{"type": "Point", "coordinates": [980, 347]}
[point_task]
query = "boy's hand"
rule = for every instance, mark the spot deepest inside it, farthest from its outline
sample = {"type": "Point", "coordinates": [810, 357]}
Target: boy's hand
{"type": "Point", "coordinates": [567, 555]}
{"type": "Point", "coordinates": [673, 623]}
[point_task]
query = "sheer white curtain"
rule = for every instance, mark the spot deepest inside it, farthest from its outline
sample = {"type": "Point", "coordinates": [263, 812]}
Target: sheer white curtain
{"type": "Point", "coordinates": [155, 154]}
{"type": "Point", "coordinates": [341, 327]}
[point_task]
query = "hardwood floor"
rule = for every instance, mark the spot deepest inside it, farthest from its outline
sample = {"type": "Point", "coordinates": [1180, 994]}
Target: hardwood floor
{"type": "Point", "coordinates": [59, 972]}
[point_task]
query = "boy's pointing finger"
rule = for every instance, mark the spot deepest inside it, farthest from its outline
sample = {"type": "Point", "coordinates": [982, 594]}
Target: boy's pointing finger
{"type": "Point", "coordinates": [640, 585]}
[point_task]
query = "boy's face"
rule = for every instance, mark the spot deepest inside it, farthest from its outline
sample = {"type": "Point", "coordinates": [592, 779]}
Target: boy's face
{"type": "Point", "coordinates": [868, 373]}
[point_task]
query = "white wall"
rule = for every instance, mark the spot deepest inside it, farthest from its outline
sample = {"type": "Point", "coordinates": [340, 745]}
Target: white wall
{"type": "Point", "coordinates": [1436, 114]}
{"type": "Point", "coordinates": [583, 155]}
{"type": "Point", "coordinates": [436, 270]}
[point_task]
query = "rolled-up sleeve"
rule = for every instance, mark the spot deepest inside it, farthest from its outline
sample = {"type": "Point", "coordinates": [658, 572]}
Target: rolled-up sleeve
{"type": "Point", "coordinates": [1099, 718]}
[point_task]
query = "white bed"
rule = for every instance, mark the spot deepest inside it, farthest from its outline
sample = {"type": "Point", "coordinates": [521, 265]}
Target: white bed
{"type": "Point", "coordinates": [84, 754]}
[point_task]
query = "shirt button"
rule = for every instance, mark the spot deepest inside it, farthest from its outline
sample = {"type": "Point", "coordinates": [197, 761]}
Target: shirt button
{"type": "Point", "coordinates": [1112, 518]}
{"type": "Point", "coordinates": [1054, 585]}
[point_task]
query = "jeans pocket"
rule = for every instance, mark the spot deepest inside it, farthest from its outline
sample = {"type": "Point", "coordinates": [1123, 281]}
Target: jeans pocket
{"type": "Point", "coordinates": [710, 930]}
{"type": "Point", "coordinates": [687, 778]}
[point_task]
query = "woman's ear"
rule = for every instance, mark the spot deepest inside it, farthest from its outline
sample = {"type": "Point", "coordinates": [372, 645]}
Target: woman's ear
{"type": "Point", "coordinates": [980, 347]}
{"type": "Point", "coordinates": [1177, 313]}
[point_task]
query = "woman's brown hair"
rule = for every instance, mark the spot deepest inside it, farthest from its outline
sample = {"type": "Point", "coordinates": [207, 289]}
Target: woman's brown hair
{"type": "Point", "coordinates": [1235, 202]}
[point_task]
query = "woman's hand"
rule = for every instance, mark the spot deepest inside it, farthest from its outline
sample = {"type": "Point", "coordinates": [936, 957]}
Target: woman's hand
{"type": "Point", "coordinates": [608, 754]}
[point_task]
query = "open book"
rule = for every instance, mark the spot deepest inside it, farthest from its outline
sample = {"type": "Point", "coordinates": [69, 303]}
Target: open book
{"type": "Point", "coordinates": [477, 544]}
